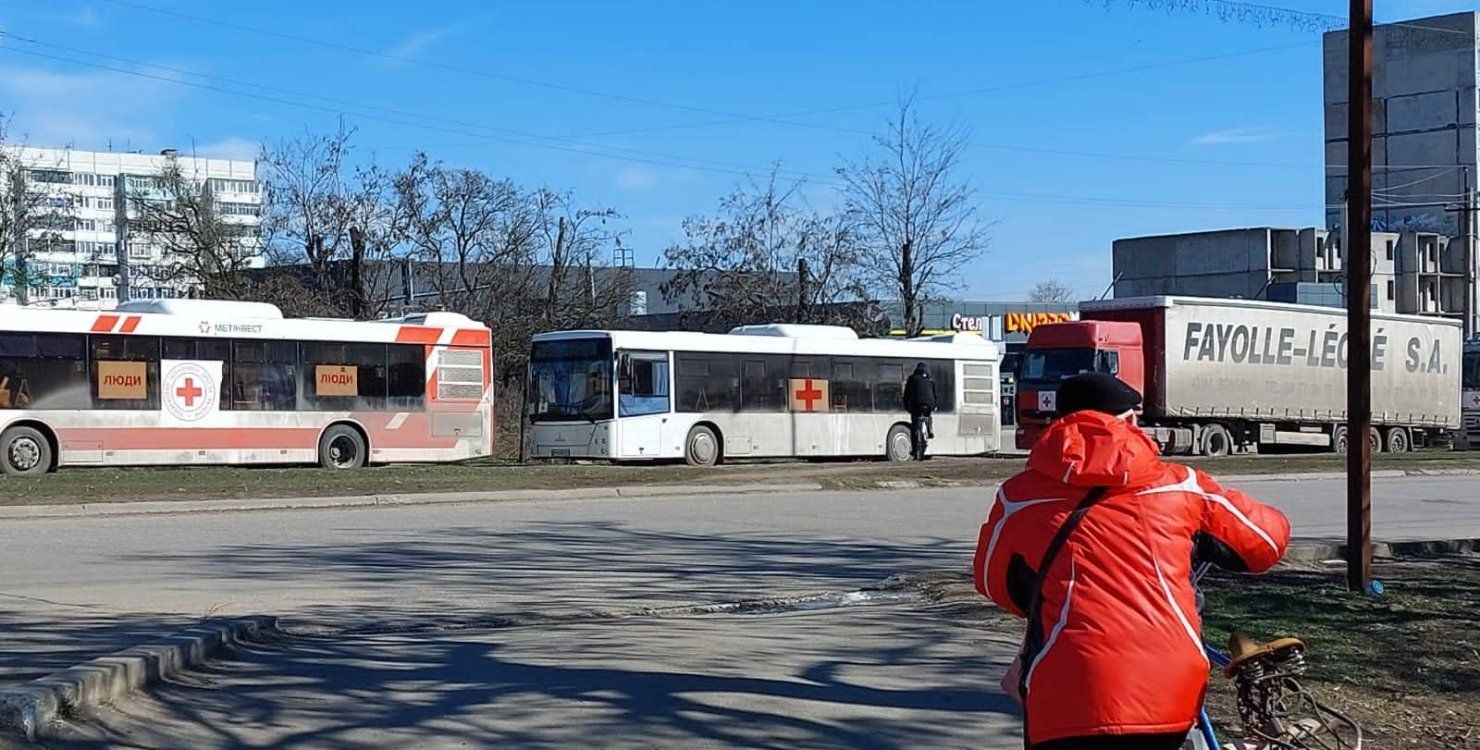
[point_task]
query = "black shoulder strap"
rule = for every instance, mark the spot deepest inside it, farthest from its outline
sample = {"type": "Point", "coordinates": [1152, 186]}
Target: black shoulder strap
{"type": "Point", "coordinates": [1033, 643]}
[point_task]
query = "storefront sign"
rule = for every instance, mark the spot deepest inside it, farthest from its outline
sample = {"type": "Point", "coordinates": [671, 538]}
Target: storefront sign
{"type": "Point", "coordinates": [1026, 322]}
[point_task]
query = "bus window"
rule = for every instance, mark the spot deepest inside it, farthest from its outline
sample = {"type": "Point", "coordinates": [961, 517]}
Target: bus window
{"type": "Point", "coordinates": [643, 381]}
{"type": "Point", "coordinates": [263, 375]}
{"type": "Point", "coordinates": [343, 376]}
{"type": "Point", "coordinates": [570, 380]}
{"type": "Point", "coordinates": [889, 386]}
{"type": "Point", "coordinates": [763, 383]}
{"type": "Point", "coordinates": [406, 382]}
{"type": "Point", "coordinates": [706, 382]}
{"type": "Point", "coordinates": [43, 371]}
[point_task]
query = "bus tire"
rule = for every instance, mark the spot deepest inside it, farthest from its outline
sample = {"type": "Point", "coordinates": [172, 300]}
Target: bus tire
{"type": "Point", "coordinates": [1398, 440]}
{"type": "Point", "coordinates": [342, 447]}
{"type": "Point", "coordinates": [1215, 441]}
{"type": "Point", "coordinates": [897, 444]}
{"type": "Point", "coordinates": [701, 447]}
{"type": "Point", "coordinates": [24, 452]}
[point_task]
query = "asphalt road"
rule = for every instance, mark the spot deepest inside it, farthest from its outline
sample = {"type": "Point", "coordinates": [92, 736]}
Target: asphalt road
{"type": "Point", "coordinates": [78, 588]}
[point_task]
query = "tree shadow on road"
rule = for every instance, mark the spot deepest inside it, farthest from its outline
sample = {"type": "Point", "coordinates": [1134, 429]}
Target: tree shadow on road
{"type": "Point", "coordinates": [896, 679]}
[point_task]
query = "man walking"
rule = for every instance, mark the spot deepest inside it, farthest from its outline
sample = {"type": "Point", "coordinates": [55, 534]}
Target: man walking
{"type": "Point", "coordinates": [1094, 544]}
{"type": "Point", "coordinates": [919, 401]}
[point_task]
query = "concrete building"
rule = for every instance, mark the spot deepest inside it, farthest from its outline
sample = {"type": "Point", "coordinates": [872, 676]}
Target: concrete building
{"type": "Point", "coordinates": [1424, 111]}
{"type": "Point", "coordinates": [96, 254]}
{"type": "Point", "coordinates": [1412, 272]}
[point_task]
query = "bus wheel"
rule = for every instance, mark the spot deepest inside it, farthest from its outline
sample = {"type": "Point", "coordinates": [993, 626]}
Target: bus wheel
{"type": "Point", "coordinates": [24, 452]}
{"type": "Point", "coordinates": [1216, 441]}
{"type": "Point", "coordinates": [342, 447]}
{"type": "Point", "coordinates": [702, 447]}
{"type": "Point", "coordinates": [897, 445]}
{"type": "Point", "coordinates": [1398, 440]}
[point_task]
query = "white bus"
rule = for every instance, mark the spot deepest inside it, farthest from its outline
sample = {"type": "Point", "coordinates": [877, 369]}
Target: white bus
{"type": "Point", "coordinates": [206, 382]}
{"type": "Point", "coordinates": [759, 391]}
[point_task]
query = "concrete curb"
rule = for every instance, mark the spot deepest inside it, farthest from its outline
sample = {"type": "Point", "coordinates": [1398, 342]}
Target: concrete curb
{"type": "Point", "coordinates": [32, 709]}
{"type": "Point", "coordinates": [164, 507]}
{"type": "Point", "coordinates": [1317, 551]}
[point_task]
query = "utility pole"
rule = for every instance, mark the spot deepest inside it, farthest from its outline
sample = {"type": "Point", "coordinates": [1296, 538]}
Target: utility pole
{"type": "Point", "coordinates": [1358, 291]}
{"type": "Point", "coordinates": [801, 316]}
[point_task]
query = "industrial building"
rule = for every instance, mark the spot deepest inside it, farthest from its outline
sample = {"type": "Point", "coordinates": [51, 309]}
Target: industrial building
{"type": "Point", "coordinates": [1412, 272]}
{"type": "Point", "coordinates": [90, 253]}
{"type": "Point", "coordinates": [1424, 109]}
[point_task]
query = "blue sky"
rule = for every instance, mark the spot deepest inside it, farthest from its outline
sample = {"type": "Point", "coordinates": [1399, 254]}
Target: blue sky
{"type": "Point", "coordinates": [660, 108]}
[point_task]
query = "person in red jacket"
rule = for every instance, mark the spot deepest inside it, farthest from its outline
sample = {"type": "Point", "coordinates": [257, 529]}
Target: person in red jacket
{"type": "Point", "coordinates": [1115, 657]}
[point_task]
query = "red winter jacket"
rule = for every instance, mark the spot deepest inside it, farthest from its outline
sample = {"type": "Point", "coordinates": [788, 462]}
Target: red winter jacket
{"type": "Point", "coordinates": [1122, 638]}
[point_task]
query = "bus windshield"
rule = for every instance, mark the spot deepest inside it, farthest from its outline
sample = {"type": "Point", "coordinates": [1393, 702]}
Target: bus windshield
{"type": "Point", "coordinates": [570, 380]}
{"type": "Point", "coordinates": [1053, 365]}
{"type": "Point", "coordinates": [1472, 370]}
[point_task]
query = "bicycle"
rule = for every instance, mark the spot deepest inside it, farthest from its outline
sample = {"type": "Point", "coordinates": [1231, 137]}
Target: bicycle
{"type": "Point", "coordinates": [920, 430]}
{"type": "Point", "coordinates": [1275, 711]}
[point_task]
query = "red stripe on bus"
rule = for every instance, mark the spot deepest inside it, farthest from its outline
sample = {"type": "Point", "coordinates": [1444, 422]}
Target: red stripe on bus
{"type": "Point", "coordinates": [471, 337]}
{"type": "Point", "coordinates": [104, 323]}
{"type": "Point", "coordinates": [418, 335]}
{"type": "Point", "coordinates": [129, 324]}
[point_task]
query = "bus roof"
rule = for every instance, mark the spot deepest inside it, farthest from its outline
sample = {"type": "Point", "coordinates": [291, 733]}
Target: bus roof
{"type": "Point", "coordinates": [967, 346]}
{"type": "Point", "coordinates": [252, 320]}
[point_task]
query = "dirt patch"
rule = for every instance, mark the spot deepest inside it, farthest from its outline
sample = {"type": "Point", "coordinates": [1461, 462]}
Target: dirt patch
{"type": "Point", "coordinates": [1405, 665]}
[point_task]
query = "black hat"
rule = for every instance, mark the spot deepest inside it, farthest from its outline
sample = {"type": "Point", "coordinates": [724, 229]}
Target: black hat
{"type": "Point", "coordinates": [1096, 391]}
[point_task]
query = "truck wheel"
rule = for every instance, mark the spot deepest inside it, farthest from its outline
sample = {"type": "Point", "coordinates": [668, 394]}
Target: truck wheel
{"type": "Point", "coordinates": [24, 452]}
{"type": "Point", "coordinates": [1338, 439]}
{"type": "Point", "coordinates": [1216, 441]}
{"type": "Point", "coordinates": [897, 444]}
{"type": "Point", "coordinates": [702, 447]}
{"type": "Point", "coordinates": [1398, 440]}
{"type": "Point", "coordinates": [1375, 438]}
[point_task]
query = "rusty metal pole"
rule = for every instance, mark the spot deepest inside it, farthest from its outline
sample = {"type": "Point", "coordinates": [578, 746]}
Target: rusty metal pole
{"type": "Point", "coordinates": [1358, 299]}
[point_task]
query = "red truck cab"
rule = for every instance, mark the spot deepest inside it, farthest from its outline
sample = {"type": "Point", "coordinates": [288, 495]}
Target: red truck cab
{"type": "Point", "coordinates": [1061, 350]}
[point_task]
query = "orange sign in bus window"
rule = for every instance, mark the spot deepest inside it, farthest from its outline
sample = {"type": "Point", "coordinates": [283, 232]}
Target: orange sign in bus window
{"type": "Point", "coordinates": [123, 380]}
{"type": "Point", "coordinates": [337, 380]}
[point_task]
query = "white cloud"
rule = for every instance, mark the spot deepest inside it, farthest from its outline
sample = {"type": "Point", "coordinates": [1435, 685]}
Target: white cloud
{"type": "Point", "coordinates": [417, 43]}
{"type": "Point", "coordinates": [86, 17]}
{"type": "Point", "coordinates": [89, 109]}
{"type": "Point", "coordinates": [1235, 136]}
{"type": "Point", "coordinates": [230, 148]}
{"type": "Point", "coordinates": [636, 178]}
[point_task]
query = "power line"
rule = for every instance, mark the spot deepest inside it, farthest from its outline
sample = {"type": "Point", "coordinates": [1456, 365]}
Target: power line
{"type": "Point", "coordinates": [515, 136]}
{"type": "Point", "coordinates": [785, 119]}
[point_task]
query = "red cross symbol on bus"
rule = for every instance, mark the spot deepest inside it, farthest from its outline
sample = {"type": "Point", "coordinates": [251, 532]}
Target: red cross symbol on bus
{"type": "Point", "coordinates": [190, 392]}
{"type": "Point", "coordinates": [808, 395]}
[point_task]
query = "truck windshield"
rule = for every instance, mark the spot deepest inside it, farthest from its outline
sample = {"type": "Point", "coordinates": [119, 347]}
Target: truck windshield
{"type": "Point", "coordinates": [570, 380]}
{"type": "Point", "coordinates": [1053, 365]}
{"type": "Point", "coordinates": [1472, 370]}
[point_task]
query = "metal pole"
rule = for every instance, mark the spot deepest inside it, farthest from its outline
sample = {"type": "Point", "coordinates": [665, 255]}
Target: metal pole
{"type": "Point", "coordinates": [1358, 306]}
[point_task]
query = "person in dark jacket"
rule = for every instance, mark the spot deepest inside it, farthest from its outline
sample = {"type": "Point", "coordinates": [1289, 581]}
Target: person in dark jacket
{"type": "Point", "coordinates": [919, 401]}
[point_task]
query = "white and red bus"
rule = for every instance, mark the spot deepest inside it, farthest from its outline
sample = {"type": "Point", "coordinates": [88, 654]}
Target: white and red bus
{"type": "Point", "coordinates": [159, 382]}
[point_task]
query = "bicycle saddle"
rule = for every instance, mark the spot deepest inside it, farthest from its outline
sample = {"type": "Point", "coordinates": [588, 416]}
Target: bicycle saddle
{"type": "Point", "coordinates": [1242, 648]}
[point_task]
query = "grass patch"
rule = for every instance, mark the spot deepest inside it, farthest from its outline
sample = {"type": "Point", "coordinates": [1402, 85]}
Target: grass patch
{"type": "Point", "coordinates": [1406, 665]}
{"type": "Point", "coordinates": [101, 485]}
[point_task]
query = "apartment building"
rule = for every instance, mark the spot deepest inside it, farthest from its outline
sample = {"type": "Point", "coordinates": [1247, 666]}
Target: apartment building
{"type": "Point", "coordinates": [94, 254]}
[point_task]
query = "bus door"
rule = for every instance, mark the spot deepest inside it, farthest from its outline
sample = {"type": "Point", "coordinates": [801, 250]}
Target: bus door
{"type": "Point", "coordinates": [643, 404]}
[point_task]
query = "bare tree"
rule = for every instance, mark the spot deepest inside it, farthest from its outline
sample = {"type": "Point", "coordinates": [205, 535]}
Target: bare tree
{"type": "Point", "coordinates": [33, 214]}
{"type": "Point", "coordinates": [336, 222]}
{"type": "Point", "coordinates": [765, 256]}
{"type": "Point", "coordinates": [917, 217]}
{"type": "Point", "coordinates": [205, 249]}
{"type": "Point", "coordinates": [1050, 290]}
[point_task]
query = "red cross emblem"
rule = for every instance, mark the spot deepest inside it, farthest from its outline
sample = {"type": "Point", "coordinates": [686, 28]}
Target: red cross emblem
{"type": "Point", "coordinates": [808, 395]}
{"type": "Point", "coordinates": [190, 392]}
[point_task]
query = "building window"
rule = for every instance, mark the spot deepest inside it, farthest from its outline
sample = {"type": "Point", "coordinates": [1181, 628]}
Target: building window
{"type": "Point", "coordinates": [222, 185]}
{"type": "Point", "coordinates": [107, 180]}
{"type": "Point", "coordinates": [105, 204]}
{"type": "Point", "coordinates": [49, 176]}
{"type": "Point", "coordinates": [1390, 283]}
{"type": "Point", "coordinates": [1390, 256]}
